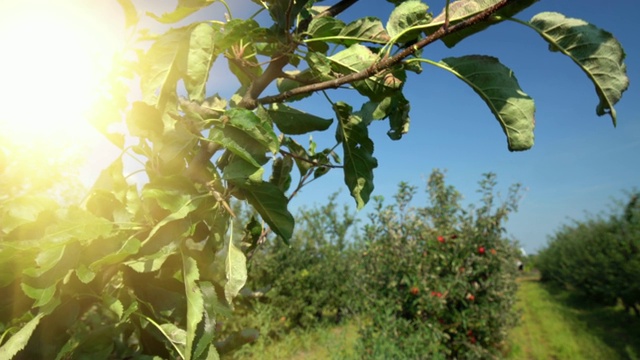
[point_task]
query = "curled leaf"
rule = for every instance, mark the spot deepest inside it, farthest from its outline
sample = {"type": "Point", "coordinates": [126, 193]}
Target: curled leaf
{"type": "Point", "coordinates": [596, 51]}
{"type": "Point", "coordinates": [499, 88]}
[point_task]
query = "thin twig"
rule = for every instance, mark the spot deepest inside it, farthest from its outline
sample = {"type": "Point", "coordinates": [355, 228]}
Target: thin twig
{"type": "Point", "coordinates": [312, 162]}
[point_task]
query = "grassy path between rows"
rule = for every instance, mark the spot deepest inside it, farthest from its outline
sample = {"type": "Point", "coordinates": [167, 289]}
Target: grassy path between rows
{"type": "Point", "coordinates": [555, 325]}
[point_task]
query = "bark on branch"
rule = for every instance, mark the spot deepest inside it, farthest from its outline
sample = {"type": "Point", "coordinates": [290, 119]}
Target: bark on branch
{"type": "Point", "coordinates": [384, 63]}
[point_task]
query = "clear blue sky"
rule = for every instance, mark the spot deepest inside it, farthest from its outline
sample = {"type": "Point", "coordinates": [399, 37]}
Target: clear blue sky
{"type": "Point", "coordinates": [580, 162]}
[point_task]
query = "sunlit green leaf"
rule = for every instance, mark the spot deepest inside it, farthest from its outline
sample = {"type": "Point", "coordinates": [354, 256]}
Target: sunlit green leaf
{"type": "Point", "coordinates": [183, 9]}
{"type": "Point", "coordinates": [19, 340]}
{"type": "Point", "coordinates": [325, 26]}
{"type": "Point", "coordinates": [144, 120]}
{"type": "Point", "coordinates": [195, 302]}
{"type": "Point", "coordinates": [461, 10]}
{"type": "Point", "coordinates": [235, 269]}
{"type": "Point", "coordinates": [499, 88]}
{"type": "Point", "coordinates": [200, 58]}
{"type": "Point", "coordinates": [596, 51]}
{"type": "Point", "coordinates": [113, 304]}
{"type": "Point", "coordinates": [176, 335]}
{"type": "Point", "coordinates": [357, 58]}
{"type": "Point", "coordinates": [129, 247]}
{"type": "Point", "coordinates": [405, 16]}
{"type": "Point", "coordinates": [42, 296]}
{"type": "Point", "coordinates": [22, 210]}
{"type": "Point", "coordinates": [84, 274]}
{"type": "Point", "coordinates": [212, 308]}
{"type": "Point", "coordinates": [240, 144]}
{"type": "Point", "coordinates": [160, 67]}
{"type": "Point", "coordinates": [366, 29]}
{"type": "Point", "coordinates": [259, 130]}
{"type": "Point", "coordinates": [130, 14]}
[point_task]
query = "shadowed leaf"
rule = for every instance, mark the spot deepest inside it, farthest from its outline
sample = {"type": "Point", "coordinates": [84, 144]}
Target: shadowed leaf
{"type": "Point", "coordinates": [270, 202]}
{"type": "Point", "coordinates": [358, 153]}
{"type": "Point", "coordinates": [295, 122]}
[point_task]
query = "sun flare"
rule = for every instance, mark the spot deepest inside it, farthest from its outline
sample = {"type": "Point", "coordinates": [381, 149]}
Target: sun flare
{"type": "Point", "coordinates": [56, 56]}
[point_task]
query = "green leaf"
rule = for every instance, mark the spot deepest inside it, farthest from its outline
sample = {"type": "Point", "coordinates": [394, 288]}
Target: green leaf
{"type": "Point", "coordinates": [84, 274]}
{"type": "Point", "coordinates": [325, 26]}
{"type": "Point", "coordinates": [200, 58]}
{"type": "Point", "coordinates": [144, 120]}
{"type": "Point", "coordinates": [399, 117]}
{"type": "Point", "coordinates": [170, 192]}
{"type": "Point", "coordinates": [281, 173]}
{"type": "Point", "coordinates": [79, 224]}
{"type": "Point", "coordinates": [596, 51]}
{"type": "Point", "coordinates": [240, 144]}
{"type": "Point", "coordinates": [270, 202]}
{"type": "Point", "coordinates": [130, 14]}
{"type": "Point", "coordinates": [279, 9]}
{"type": "Point", "coordinates": [180, 214]}
{"type": "Point", "coordinates": [235, 263]}
{"type": "Point", "coordinates": [367, 29]}
{"type": "Point", "coordinates": [499, 88]}
{"type": "Point", "coordinates": [129, 247]}
{"type": "Point", "coordinates": [154, 261]}
{"type": "Point", "coordinates": [357, 58]}
{"type": "Point", "coordinates": [42, 296]}
{"type": "Point", "coordinates": [19, 340]}
{"type": "Point", "coordinates": [240, 170]}
{"type": "Point", "coordinates": [212, 308]}
{"type": "Point", "coordinates": [286, 84]}
{"type": "Point", "coordinates": [195, 302]}
{"type": "Point", "coordinates": [358, 153]}
{"type": "Point", "coordinates": [23, 210]}
{"type": "Point", "coordinates": [405, 16]}
{"type": "Point", "coordinates": [183, 9]}
{"type": "Point", "coordinates": [259, 130]}
{"type": "Point", "coordinates": [461, 10]}
{"type": "Point", "coordinates": [236, 30]}
{"type": "Point", "coordinates": [319, 66]}
{"type": "Point", "coordinates": [177, 337]}
{"type": "Point", "coordinates": [161, 66]}
{"type": "Point", "coordinates": [171, 332]}
{"type": "Point", "coordinates": [300, 153]}
{"type": "Point", "coordinates": [295, 122]}
{"type": "Point", "coordinates": [113, 304]}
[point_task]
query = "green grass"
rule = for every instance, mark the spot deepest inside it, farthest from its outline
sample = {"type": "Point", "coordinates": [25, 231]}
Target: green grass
{"type": "Point", "coordinates": [315, 344]}
{"type": "Point", "coordinates": [556, 324]}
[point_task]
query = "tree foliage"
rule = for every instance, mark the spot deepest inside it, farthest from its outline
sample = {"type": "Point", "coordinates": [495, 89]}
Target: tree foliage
{"type": "Point", "coordinates": [598, 257]}
{"type": "Point", "coordinates": [141, 270]}
{"type": "Point", "coordinates": [438, 281]}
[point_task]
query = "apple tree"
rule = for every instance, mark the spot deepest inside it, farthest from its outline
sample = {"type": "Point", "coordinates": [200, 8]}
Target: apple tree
{"type": "Point", "coordinates": [143, 270]}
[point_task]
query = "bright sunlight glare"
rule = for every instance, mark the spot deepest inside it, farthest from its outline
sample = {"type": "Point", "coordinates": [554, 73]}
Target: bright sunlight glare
{"type": "Point", "coordinates": [56, 57]}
